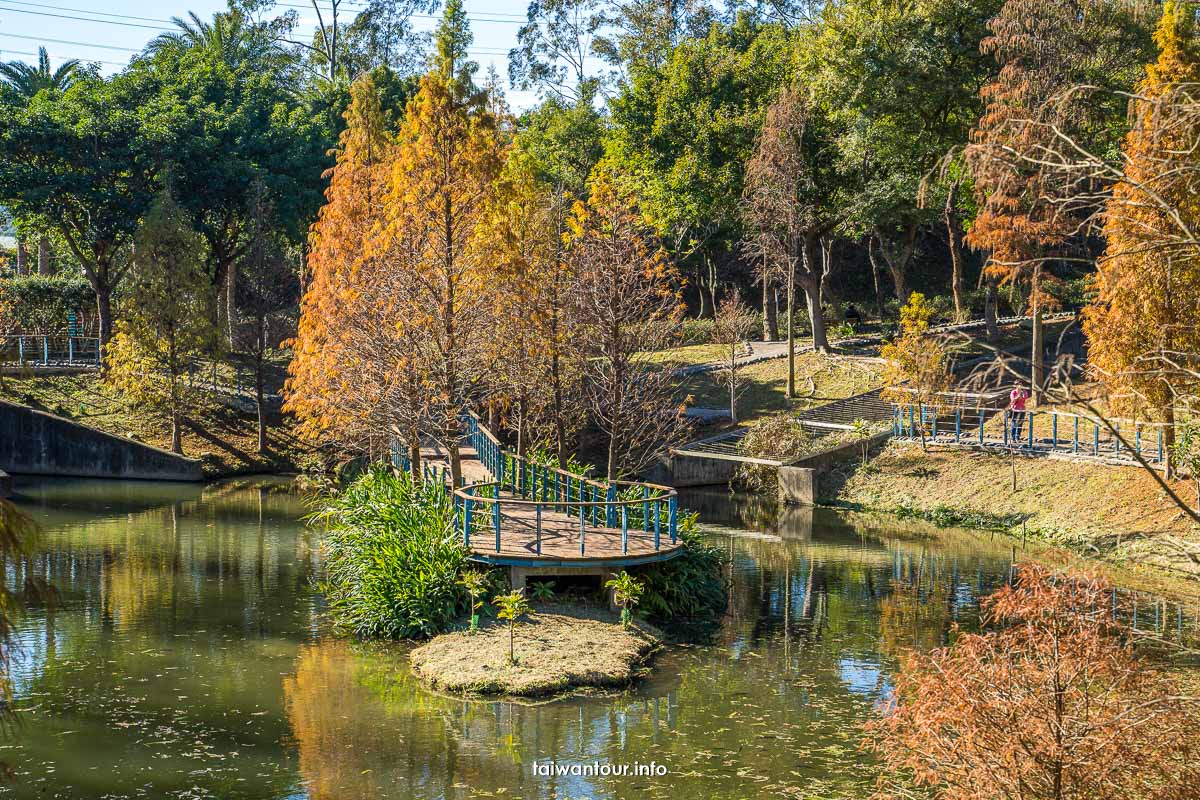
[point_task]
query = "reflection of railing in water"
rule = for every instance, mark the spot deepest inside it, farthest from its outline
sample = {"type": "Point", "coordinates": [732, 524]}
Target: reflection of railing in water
{"type": "Point", "coordinates": [47, 351]}
{"type": "Point", "coordinates": [1032, 431]}
{"type": "Point", "coordinates": [528, 495]}
{"type": "Point", "coordinates": [1143, 615]}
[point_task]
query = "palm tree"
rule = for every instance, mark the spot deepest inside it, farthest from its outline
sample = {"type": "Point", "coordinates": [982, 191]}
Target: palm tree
{"type": "Point", "coordinates": [231, 37]}
{"type": "Point", "coordinates": [27, 81]}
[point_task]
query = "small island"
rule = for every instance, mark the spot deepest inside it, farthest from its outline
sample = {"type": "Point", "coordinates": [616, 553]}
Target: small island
{"type": "Point", "coordinates": [558, 649]}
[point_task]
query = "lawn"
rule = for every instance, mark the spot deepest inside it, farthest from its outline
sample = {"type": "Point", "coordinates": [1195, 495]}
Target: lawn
{"type": "Point", "coordinates": [819, 379]}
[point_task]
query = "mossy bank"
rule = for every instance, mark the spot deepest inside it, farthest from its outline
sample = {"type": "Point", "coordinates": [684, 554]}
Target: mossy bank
{"type": "Point", "coordinates": [1115, 513]}
{"type": "Point", "coordinates": [558, 649]}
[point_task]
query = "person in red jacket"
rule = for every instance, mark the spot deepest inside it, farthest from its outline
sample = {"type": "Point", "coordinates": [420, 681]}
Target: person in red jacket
{"type": "Point", "coordinates": [1016, 411]}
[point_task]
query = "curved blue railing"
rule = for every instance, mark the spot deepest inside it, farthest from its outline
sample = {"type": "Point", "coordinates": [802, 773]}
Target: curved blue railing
{"type": "Point", "coordinates": [534, 491]}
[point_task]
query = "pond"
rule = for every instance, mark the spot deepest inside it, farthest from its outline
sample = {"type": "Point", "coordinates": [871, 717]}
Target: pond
{"type": "Point", "coordinates": [188, 657]}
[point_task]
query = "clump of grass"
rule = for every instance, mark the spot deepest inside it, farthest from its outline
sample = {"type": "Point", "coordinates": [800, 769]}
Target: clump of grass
{"type": "Point", "coordinates": [691, 586]}
{"type": "Point", "coordinates": [949, 517]}
{"type": "Point", "coordinates": [393, 557]}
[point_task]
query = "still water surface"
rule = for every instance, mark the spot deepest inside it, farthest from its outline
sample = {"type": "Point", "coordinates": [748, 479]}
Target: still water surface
{"type": "Point", "coordinates": [188, 658]}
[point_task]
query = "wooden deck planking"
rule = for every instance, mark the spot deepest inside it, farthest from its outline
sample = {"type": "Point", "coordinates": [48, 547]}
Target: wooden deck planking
{"type": "Point", "coordinates": [560, 537]}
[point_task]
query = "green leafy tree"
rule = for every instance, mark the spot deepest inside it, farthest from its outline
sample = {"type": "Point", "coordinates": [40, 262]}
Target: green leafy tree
{"type": "Point", "coordinates": [475, 583]}
{"type": "Point", "coordinates": [511, 607]}
{"type": "Point", "coordinates": [169, 319]}
{"type": "Point", "coordinates": [564, 142]}
{"type": "Point", "coordinates": [555, 52]}
{"type": "Point", "coordinates": [684, 133]}
{"type": "Point", "coordinates": [626, 591]}
{"type": "Point", "coordinates": [85, 163]}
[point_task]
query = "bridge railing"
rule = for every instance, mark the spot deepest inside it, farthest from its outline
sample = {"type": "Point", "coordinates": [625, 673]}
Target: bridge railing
{"type": "Point", "coordinates": [1033, 431]}
{"type": "Point", "coordinates": [524, 491]}
{"type": "Point", "coordinates": [50, 350]}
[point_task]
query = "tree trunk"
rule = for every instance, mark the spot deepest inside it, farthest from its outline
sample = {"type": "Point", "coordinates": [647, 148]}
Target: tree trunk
{"type": "Point", "coordinates": [770, 324]}
{"type": "Point", "coordinates": [954, 241]}
{"type": "Point", "coordinates": [414, 458]}
{"type": "Point", "coordinates": [875, 270]}
{"type": "Point", "coordinates": [990, 303]}
{"type": "Point", "coordinates": [258, 396]}
{"type": "Point", "coordinates": [44, 256]}
{"type": "Point", "coordinates": [104, 317]}
{"type": "Point", "coordinates": [231, 302]}
{"type": "Point", "coordinates": [897, 262]}
{"type": "Point", "coordinates": [812, 294]}
{"type": "Point", "coordinates": [22, 257]}
{"type": "Point", "coordinates": [1037, 362]}
{"type": "Point", "coordinates": [610, 471]}
{"type": "Point", "coordinates": [829, 294]}
{"type": "Point", "coordinates": [791, 332]}
{"type": "Point", "coordinates": [176, 436]}
{"type": "Point", "coordinates": [455, 463]}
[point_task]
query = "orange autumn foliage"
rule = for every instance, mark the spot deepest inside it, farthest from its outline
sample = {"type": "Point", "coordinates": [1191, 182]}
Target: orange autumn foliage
{"type": "Point", "coordinates": [1050, 702]}
{"type": "Point", "coordinates": [1144, 325]}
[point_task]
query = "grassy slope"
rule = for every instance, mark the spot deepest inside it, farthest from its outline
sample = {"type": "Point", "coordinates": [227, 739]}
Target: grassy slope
{"type": "Point", "coordinates": [1118, 513]}
{"type": "Point", "coordinates": [819, 379]}
{"type": "Point", "coordinates": [223, 437]}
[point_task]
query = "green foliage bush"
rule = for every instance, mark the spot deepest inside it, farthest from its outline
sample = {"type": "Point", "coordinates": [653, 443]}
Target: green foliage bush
{"type": "Point", "coordinates": [40, 304]}
{"type": "Point", "coordinates": [689, 586]}
{"type": "Point", "coordinates": [393, 558]}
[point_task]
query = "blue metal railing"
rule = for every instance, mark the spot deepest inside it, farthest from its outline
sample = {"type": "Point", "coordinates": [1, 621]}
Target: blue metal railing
{"type": "Point", "coordinates": [1034, 431]}
{"type": "Point", "coordinates": [80, 351]}
{"type": "Point", "coordinates": [534, 491]}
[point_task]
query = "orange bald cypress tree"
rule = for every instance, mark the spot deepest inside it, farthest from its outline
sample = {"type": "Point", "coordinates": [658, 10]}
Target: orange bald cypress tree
{"type": "Point", "coordinates": [448, 156]}
{"type": "Point", "coordinates": [326, 371]}
{"type": "Point", "coordinates": [1144, 326]}
{"type": "Point", "coordinates": [1031, 214]}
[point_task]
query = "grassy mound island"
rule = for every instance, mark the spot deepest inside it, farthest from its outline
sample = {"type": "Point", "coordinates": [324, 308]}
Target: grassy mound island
{"type": "Point", "coordinates": [396, 568]}
{"type": "Point", "coordinates": [561, 647]}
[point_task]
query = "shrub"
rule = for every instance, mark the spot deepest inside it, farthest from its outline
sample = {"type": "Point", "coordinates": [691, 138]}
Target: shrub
{"type": "Point", "coordinates": [689, 586]}
{"type": "Point", "coordinates": [627, 592]}
{"type": "Point", "coordinates": [780, 438]}
{"type": "Point", "coordinates": [511, 606]}
{"type": "Point", "coordinates": [696, 331]}
{"type": "Point", "coordinates": [40, 304]}
{"type": "Point", "coordinates": [393, 557]}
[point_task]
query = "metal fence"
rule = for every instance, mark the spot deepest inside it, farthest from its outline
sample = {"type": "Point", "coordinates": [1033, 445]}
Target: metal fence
{"type": "Point", "coordinates": [50, 351]}
{"type": "Point", "coordinates": [1033, 431]}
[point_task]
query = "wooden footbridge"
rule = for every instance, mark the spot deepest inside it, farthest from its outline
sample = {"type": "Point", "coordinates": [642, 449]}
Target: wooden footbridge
{"type": "Point", "coordinates": [534, 516]}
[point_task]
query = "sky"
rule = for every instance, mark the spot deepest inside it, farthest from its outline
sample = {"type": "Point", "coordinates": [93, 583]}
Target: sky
{"type": "Point", "coordinates": [111, 31]}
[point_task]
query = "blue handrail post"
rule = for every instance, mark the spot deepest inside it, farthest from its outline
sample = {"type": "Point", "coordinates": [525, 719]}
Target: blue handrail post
{"type": "Point", "coordinates": [935, 420]}
{"type": "Point", "coordinates": [1160, 444]}
{"type": "Point", "coordinates": [624, 530]}
{"type": "Point", "coordinates": [1054, 429]}
{"type": "Point", "coordinates": [21, 349]}
{"type": "Point", "coordinates": [1075, 438]}
{"type": "Point", "coordinates": [1137, 437]}
{"type": "Point", "coordinates": [645, 508]}
{"type": "Point", "coordinates": [1030, 420]}
{"type": "Point", "coordinates": [46, 350]}
{"type": "Point", "coordinates": [912, 421]}
{"type": "Point", "coordinates": [1007, 427]}
{"type": "Point", "coordinates": [539, 529]}
{"type": "Point", "coordinates": [467, 522]}
{"type": "Point", "coordinates": [610, 511]}
{"type": "Point", "coordinates": [895, 421]}
{"type": "Point", "coordinates": [496, 516]}
{"type": "Point", "coordinates": [581, 529]}
{"type": "Point", "coordinates": [673, 517]}
{"type": "Point", "coordinates": [70, 350]}
{"type": "Point", "coordinates": [657, 523]}
{"type": "Point", "coordinates": [957, 424]}
{"type": "Point", "coordinates": [981, 427]}
{"type": "Point", "coordinates": [1095, 438]}
{"type": "Point", "coordinates": [500, 474]}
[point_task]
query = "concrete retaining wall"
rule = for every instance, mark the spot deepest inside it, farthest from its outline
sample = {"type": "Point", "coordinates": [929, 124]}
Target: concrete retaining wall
{"type": "Point", "coordinates": [801, 482]}
{"type": "Point", "coordinates": [683, 471]}
{"type": "Point", "coordinates": [35, 443]}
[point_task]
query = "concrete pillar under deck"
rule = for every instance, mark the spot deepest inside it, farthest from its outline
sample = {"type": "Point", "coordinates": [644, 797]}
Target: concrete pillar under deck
{"type": "Point", "coordinates": [519, 576]}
